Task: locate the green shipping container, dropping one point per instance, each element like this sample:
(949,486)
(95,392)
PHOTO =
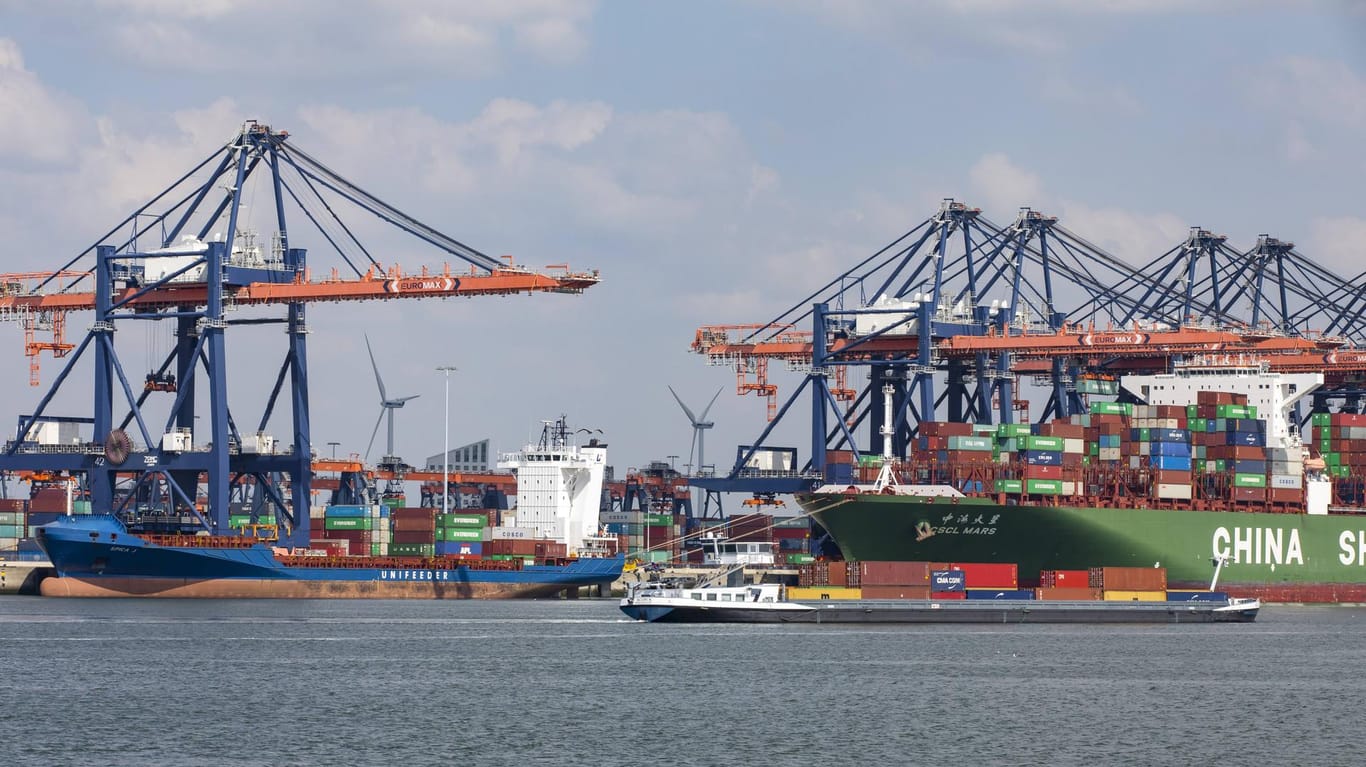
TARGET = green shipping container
(800,559)
(1009,485)
(977,444)
(1043,486)
(870,460)
(412,549)
(461,534)
(1012,430)
(348,523)
(1033,442)
(460,520)
(1320,419)
(656,556)
(10,531)
(1111,408)
(1333,459)
(11,517)
(80,507)
(1249,480)
(658,520)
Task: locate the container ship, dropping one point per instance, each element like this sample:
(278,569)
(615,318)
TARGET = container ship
(550,545)
(1205,466)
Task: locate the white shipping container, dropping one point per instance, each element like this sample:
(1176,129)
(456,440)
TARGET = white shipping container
(1168,423)
(619,517)
(511,533)
(1174,491)
(1144,448)
(1287,481)
(1074,446)
(1109,454)
(1134,462)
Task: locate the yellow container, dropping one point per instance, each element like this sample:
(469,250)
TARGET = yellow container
(824,592)
(1135,596)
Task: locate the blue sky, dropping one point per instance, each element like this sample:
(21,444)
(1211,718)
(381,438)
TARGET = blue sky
(716,161)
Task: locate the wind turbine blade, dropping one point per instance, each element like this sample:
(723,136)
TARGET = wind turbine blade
(378,421)
(692,450)
(692,418)
(709,404)
(402,400)
(373,364)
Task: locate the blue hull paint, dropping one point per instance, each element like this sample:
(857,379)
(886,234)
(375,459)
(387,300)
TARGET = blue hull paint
(96,553)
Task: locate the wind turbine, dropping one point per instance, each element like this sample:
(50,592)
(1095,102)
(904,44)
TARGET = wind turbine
(386,405)
(699,430)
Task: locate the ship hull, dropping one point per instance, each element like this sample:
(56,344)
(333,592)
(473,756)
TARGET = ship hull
(1277,557)
(96,558)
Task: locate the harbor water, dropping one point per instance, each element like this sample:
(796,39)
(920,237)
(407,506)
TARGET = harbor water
(170,682)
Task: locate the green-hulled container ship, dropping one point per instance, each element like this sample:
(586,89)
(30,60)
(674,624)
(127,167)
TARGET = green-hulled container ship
(1205,465)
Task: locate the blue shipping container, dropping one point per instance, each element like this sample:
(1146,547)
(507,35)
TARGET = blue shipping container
(1000,594)
(1110,440)
(948,580)
(1249,466)
(840,473)
(460,548)
(971,486)
(1180,449)
(337,512)
(1247,439)
(1170,435)
(1043,457)
(1247,425)
(1172,463)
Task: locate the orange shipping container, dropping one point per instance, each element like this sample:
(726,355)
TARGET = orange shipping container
(896,592)
(1129,578)
(1069,594)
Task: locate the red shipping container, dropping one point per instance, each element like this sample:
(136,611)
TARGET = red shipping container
(946,595)
(414,513)
(11,504)
(894,573)
(989,575)
(1286,495)
(414,536)
(414,524)
(896,592)
(1249,494)
(1065,579)
(1041,472)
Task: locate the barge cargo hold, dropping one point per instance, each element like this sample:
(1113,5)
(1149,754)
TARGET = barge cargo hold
(663,603)
(1212,467)
(95,556)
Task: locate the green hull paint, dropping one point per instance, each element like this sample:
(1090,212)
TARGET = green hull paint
(1301,550)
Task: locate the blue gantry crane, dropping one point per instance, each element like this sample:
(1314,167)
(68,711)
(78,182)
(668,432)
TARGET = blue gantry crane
(179,473)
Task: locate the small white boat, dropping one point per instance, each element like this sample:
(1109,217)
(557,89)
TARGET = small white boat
(672,601)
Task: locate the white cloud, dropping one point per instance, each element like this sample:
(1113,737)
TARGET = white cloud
(1338,243)
(1105,98)
(1004,185)
(1327,91)
(1137,238)
(37,125)
(312,39)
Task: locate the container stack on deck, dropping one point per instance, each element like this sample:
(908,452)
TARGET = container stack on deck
(970,580)
(461,533)
(793,536)
(13,520)
(1213,454)
(1340,440)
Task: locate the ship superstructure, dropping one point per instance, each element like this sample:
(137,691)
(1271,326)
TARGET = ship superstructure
(559,485)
